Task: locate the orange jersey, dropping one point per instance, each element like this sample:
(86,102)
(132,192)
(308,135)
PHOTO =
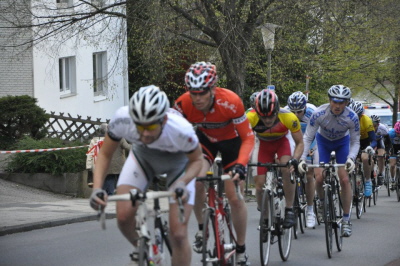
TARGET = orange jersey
(225,120)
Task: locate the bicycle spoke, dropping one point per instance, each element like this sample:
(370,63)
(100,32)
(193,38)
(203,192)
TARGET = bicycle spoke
(265,228)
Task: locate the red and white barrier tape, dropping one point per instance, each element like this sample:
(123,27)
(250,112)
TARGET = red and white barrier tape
(42,150)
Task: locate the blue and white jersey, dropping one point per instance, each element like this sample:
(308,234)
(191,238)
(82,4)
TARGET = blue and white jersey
(177,133)
(310,108)
(393,137)
(333,127)
(381,131)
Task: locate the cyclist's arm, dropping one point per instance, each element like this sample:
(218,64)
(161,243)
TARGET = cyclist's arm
(194,165)
(298,139)
(372,138)
(354,139)
(308,137)
(103,161)
(246,135)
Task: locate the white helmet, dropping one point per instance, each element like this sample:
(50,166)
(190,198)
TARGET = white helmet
(357,107)
(149,104)
(339,92)
(200,77)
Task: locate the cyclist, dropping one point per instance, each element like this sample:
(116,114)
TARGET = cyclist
(163,143)
(252,101)
(394,135)
(336,128)
(271,125)
(222,126)
(381,133)
(297,104)
(367,143)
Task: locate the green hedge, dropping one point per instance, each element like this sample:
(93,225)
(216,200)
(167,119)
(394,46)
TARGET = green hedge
(53,162)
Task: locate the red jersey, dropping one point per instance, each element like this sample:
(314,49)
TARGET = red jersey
(225,120)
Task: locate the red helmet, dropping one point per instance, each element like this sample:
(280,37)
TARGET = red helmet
(201,76)
(397,127)
(267,103)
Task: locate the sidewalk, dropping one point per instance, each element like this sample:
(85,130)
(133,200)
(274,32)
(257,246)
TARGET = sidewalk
(24,208)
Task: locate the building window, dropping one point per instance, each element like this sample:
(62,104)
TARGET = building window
(99,73)
(67,75)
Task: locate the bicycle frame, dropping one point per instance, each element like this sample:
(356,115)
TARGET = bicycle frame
(217,208)
(273,200)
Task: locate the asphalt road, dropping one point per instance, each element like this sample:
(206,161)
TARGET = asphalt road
(375,241)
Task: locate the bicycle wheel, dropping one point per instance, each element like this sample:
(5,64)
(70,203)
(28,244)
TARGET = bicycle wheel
(328,220)
(338,215)
(265,227)
(229,237)
(359,195)
(162,240)
(316,208)
(398,184)
(303,204)
(144,252)
(209,250)
(386,180)
(299,203)
(296,210)
(285,235)
(374,191)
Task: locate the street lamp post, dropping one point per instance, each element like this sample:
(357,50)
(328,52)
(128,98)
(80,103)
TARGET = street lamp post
(268,34)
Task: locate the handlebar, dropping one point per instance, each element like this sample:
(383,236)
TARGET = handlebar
(274,165)
(326,165)
(135,194)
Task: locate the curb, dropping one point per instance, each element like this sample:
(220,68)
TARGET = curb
(41,225)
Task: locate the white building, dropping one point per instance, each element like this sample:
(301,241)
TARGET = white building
(80,70)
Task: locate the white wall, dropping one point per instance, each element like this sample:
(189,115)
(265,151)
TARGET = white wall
(83,103)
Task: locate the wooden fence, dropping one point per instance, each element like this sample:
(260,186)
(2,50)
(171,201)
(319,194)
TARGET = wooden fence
(70,128)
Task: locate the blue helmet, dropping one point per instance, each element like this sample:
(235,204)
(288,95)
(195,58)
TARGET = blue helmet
(297,101)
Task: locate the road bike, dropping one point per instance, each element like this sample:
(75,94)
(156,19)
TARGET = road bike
(332,204)
(357,183)
(219,239)
(154,247)
(386,177)
(272,211)
(374,176)
(300,205)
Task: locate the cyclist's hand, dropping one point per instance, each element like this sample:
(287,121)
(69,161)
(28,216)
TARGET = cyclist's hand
(97,199)
(239,171)
(349,165)
(294,165)
(180,187)
(370,150)
(302,167)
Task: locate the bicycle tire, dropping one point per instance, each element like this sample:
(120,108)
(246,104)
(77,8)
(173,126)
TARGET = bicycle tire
(301,206)
(328,220)
(285,235)
(230,239)
(144,252)
(164,246)
(296,210)
(397,185)
(316,209)
(360,199)
(209,249)
(387,181)
(265,224)
(303,203)
(375,190)
(338,212)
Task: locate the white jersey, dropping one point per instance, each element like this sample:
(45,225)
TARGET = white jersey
(177,134)
(381,131)
(333,127)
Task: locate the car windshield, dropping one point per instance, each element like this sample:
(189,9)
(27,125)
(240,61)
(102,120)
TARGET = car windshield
(387,119)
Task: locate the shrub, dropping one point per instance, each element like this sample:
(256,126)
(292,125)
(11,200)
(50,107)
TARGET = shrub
(20,116)
(53,162)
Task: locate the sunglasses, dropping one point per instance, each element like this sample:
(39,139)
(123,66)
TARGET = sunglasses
(297,111)
(150,127)
(199,93)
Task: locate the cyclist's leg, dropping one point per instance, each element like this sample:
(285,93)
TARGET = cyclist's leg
(209,152)
(178,231)
(266,153)
(229,152)
(284,154)
(125,212)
